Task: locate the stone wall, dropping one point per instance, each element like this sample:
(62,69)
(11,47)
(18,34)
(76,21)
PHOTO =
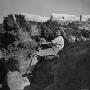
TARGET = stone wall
(66,17)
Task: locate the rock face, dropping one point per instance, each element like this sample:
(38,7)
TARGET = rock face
(37,18)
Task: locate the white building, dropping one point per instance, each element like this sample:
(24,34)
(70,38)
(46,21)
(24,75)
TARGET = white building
(55,17)
(64,17)
(85,17)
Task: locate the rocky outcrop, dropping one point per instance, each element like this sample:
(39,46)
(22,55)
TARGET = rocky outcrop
(16,81)
(36,18)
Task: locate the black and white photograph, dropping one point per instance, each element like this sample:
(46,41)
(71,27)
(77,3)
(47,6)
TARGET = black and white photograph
(44,44)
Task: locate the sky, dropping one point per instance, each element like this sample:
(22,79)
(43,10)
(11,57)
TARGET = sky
(44,7)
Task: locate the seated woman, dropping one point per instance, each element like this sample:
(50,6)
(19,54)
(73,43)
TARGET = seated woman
(53,47)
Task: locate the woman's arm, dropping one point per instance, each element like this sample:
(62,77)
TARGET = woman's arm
(46,43)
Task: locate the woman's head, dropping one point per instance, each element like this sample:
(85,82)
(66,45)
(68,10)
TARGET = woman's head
(58,33)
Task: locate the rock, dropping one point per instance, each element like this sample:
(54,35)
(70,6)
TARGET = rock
(16,81)
(37,18)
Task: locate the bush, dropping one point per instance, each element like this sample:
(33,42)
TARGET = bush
(85,34)
(12,65)
(7,39)
(47,33)
(9,23)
